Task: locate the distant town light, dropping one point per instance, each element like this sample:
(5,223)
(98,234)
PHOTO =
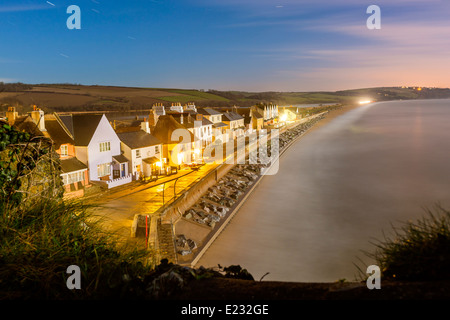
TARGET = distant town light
(283,117)
(365,101)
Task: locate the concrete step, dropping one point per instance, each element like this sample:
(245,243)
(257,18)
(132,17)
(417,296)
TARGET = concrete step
(166,242)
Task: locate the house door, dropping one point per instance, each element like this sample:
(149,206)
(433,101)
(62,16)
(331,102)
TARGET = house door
(123,170)
(116,174)
(138,170)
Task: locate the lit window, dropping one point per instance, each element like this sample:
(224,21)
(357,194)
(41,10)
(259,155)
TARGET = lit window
(103,169)
(73,177)
(64,150)
(105,146)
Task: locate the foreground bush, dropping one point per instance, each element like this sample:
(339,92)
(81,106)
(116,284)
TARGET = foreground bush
(419,251)
(37,245)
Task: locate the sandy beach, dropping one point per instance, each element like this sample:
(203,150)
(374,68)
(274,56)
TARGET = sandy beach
(333,114)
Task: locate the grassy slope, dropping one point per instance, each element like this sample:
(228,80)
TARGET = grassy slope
(68,97)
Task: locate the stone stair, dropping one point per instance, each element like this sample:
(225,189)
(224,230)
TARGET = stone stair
(166,242)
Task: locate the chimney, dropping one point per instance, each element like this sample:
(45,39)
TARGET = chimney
(12,115)
(145,126)
(37,115)
(153,118)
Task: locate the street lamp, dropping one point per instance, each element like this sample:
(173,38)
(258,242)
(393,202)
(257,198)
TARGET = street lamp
(197,154)
(159,165)
(180,158)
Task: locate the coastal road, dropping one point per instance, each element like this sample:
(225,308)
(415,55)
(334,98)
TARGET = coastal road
(116,209)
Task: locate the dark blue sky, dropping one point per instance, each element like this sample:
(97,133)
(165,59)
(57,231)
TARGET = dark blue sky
(254,45)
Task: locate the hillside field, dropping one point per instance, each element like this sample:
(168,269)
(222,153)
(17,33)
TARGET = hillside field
(74,97)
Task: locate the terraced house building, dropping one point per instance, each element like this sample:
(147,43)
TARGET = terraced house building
(144,152)
(98,147)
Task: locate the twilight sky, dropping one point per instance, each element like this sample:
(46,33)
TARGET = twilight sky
(253,45)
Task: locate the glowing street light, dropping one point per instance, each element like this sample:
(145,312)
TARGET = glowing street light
(180,158)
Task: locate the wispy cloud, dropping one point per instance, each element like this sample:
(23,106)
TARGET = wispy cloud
(7,80)
(24,7)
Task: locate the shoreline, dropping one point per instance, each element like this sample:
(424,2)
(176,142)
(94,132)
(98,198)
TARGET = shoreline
(209,240)
(332,115)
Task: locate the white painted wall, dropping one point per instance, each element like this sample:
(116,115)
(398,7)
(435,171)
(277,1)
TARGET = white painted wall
(146,152)
(103,133)
(82,154)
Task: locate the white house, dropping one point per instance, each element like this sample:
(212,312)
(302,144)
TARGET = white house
(216,118)
(198,125)
(98,146)
(235,124)
(144,151)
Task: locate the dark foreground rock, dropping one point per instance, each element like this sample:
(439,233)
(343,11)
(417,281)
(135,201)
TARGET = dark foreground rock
(235,283)
(236,289)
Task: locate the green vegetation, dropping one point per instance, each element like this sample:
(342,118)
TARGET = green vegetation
(28,168)
(39,243)
(196,94)
(75,97)
(41,235)
(420,251)
(14,87)
(186,96)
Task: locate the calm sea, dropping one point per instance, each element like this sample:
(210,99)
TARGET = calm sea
(339,188)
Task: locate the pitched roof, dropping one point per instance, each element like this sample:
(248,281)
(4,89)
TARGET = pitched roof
(219,125)
(246,113)
(26,124)
(165,126)
(151,160)
(72,164)
(256,114)
(120,158)
(138,139)
(208,111)
(189,120)
(81,126)
(231,116)
(66,119)
(56,132)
